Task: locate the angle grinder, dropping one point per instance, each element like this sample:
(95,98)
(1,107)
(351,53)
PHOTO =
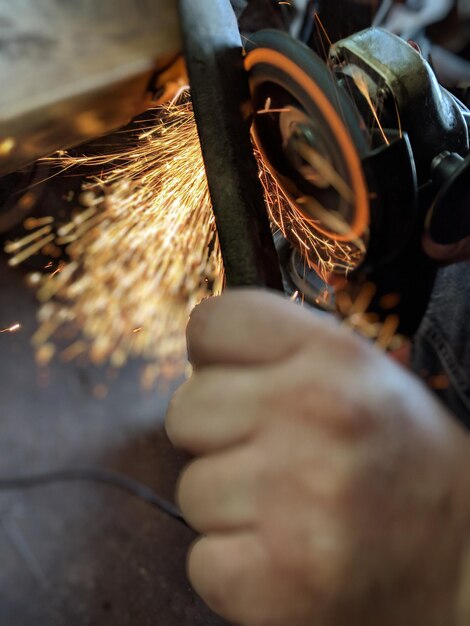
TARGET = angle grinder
(367,151)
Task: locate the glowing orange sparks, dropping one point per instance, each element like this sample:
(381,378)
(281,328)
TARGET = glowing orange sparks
(11,329)
(142,253)
(143,250)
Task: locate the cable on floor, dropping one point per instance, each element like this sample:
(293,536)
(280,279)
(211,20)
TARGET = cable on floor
(94,475)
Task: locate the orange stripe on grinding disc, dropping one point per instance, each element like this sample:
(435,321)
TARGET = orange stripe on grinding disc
(267,56)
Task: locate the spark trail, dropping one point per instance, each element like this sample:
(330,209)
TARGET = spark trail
(144,250)
(141,256)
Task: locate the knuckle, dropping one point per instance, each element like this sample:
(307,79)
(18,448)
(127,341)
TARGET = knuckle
(340,412)
(346,411)
(354,419)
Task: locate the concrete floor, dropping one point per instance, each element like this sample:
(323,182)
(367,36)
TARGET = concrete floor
(84,554)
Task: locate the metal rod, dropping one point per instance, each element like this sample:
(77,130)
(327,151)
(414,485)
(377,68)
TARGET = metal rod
(220,96)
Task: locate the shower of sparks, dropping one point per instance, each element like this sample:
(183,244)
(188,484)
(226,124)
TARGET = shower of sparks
(141,255)
(11,329)
(324,255)
(143,251)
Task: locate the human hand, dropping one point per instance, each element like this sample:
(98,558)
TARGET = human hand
(330,486)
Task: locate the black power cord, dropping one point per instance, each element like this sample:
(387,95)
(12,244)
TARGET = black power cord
(94,475)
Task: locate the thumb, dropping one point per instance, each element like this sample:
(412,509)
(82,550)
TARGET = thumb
(249,327)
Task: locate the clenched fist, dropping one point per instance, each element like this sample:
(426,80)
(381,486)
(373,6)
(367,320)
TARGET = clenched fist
(328,485)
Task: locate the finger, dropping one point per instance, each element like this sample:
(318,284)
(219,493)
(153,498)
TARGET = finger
(227,572)
(250,327)
(220,492)
(216,408)
(236,576)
